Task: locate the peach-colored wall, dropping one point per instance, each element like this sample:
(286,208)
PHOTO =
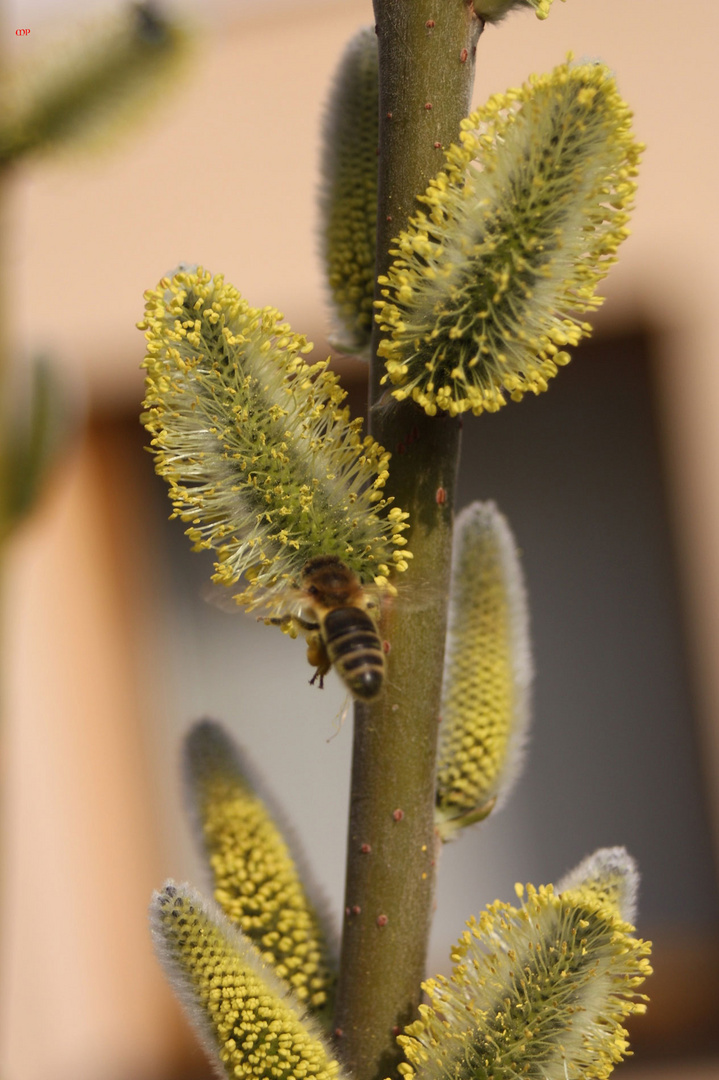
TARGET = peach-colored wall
(82,995)
(225,174)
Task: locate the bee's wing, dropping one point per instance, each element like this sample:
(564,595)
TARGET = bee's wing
(409,597)
(221,597)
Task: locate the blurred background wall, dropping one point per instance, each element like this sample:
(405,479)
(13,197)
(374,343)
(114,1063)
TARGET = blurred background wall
(610,480)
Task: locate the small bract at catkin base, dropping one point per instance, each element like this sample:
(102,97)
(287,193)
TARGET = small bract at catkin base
(520,226)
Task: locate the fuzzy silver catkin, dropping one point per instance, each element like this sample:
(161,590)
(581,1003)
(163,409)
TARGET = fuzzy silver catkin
(348,194)
(608,878)
(249,1023)
(488,672)
(256,881)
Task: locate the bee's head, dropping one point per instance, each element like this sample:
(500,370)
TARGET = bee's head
(327,580)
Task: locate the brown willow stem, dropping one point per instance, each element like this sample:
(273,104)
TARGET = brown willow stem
(426,64)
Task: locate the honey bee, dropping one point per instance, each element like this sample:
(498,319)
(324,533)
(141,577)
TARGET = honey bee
(336,614)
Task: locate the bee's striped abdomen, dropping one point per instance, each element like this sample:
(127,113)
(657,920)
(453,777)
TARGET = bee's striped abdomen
(355,650)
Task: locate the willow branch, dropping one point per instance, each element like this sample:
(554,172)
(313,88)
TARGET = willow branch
(426,63)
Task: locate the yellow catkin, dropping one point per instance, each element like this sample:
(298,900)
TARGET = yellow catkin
(482,298)
(256,882)
(263,463)
(542,989)
(488,671)
(242,1013)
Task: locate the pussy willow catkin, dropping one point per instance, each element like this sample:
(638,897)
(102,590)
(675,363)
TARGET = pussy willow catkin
(518,229)
(263,462)
(542,989)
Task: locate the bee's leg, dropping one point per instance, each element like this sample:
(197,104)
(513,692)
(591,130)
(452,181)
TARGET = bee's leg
(290,624)
(317,656)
